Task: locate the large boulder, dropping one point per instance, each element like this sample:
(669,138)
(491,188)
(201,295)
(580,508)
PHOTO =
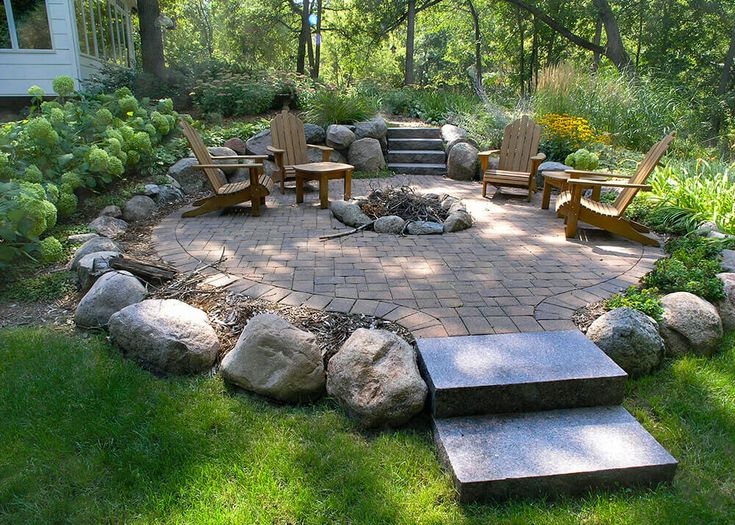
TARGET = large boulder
(168,193)
(111,211)
(258,143)
(451,132)
(111,293)
(92,266)
(375,128)
(95,244)
(424,228)
(314,134)
(457,221)
(553,166)
(315,155)
(462,162)
(192,180)
(339,137)
(366,155)
(275,359)
(630,338)
(389,224)
(375,377)
(237,145)
(81,238)
(222,151)
(166,336)
(689,325)
(726,306)
(139,208)
(108,226)
(349,213)
(727,259)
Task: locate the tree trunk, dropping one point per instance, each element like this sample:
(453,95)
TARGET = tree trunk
(596,57)
(477,80)
(521,55)
(641,11)
(410,35)
(725,79)
(533,69)
(151,43)
(614,49)
(318,53)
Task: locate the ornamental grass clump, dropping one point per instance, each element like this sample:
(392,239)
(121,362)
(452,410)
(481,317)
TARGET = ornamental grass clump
(72,143)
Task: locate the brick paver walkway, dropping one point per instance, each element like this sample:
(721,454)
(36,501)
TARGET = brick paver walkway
(512,271)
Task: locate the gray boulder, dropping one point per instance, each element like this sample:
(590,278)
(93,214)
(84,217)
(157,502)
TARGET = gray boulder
(81,238)
(315,155)
(553,166)
(706,228)
(727,260)
(222,151)
(457,221)
(237,145)
(349,213)
(339,137)
(689,325)
(425,228)
(451,132)
(166,336)
(630,338)
(92,266)
(275,359)
(450,145)
(151,190)
(726,306)
(314,134)
(108,226)
(389,224)
(375,128)
(111,211)
(168,193)
(111,293)
(258,143)
(366,155)
(95,244)
(462,162)
(139,208)
(374,376)
(448,201)
(192,180)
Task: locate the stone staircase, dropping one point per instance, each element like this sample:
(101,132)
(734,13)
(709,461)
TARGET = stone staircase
(416,151)
(535,414)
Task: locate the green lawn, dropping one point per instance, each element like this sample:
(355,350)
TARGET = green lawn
(87,437)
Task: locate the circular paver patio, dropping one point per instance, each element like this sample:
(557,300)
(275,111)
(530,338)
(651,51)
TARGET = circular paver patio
(512,271)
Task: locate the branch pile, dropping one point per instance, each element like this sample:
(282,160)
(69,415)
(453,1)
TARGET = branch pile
(404,202)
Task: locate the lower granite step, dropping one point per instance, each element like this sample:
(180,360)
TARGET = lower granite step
(550,453)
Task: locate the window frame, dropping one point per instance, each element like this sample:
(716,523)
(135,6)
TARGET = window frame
(12,29)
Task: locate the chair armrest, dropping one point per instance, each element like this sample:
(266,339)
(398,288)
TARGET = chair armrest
(240,157)
(540,156)
(275,150)
(322,148)
(230,166)
(608,184)
(597,174)
(488,153)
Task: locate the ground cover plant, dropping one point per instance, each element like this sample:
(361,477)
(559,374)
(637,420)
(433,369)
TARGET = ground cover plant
(89,437)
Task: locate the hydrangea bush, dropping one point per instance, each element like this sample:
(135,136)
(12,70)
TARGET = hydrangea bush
(66,145)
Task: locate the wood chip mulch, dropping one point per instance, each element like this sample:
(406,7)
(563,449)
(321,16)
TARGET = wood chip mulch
(585,316)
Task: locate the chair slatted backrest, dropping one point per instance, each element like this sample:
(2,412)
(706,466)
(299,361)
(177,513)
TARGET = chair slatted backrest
(216,177)
(520,142)
(287,133)
(645,168)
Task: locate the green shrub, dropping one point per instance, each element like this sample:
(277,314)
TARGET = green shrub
(332,107)
(430,104)
(582,159)
(234,95)
(646,300)
(692,266)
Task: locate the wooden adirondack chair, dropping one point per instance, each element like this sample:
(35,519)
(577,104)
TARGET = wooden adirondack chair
(574,207)
(519,158)
(227,194)
(289,146)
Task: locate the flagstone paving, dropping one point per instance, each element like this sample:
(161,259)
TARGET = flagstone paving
(513,271)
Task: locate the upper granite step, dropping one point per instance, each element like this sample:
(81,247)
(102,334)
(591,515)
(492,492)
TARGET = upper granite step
(416,133)
(495,374)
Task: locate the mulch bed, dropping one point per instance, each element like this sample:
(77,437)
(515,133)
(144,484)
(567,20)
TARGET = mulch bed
(585,316)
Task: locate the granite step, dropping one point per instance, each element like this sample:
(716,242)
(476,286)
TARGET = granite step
(415,144)
(524,372)
(426,133)
(417,156)
(549,453)
(409,168)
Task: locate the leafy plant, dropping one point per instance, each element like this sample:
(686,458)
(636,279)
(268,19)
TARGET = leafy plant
(646,300)
(43,287)
(332,107)
(582,159)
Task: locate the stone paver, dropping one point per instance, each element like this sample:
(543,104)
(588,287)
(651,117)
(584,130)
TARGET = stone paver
(512,271)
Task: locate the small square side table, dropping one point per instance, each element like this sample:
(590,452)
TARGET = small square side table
(323,172)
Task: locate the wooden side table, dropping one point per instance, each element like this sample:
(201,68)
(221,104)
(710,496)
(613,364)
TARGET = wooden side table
(323,172)
(558,180)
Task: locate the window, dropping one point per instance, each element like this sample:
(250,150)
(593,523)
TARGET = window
(24,24)
(103,29)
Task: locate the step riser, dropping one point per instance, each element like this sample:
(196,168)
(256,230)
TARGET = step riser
(526,397)
(418,169)
(415,144)
(417,157)
(426,133)
(563,452)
